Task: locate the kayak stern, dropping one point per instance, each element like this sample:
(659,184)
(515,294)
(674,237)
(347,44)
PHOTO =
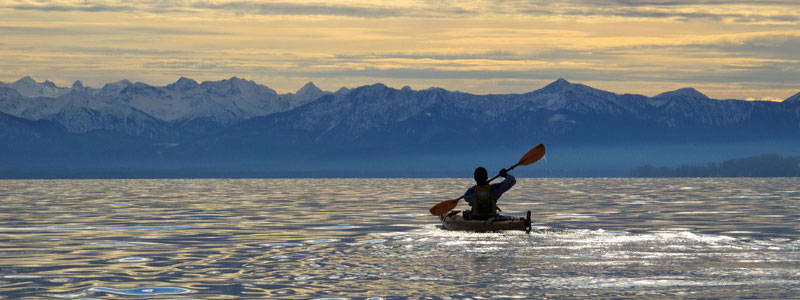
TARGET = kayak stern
(456,221)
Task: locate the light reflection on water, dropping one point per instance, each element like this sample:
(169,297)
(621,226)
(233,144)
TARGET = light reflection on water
(365,238)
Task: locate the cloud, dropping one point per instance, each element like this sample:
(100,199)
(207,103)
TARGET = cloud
(767,45)
(433,55)
(681,2)
(163,30)
(185,65)
(238,7)
(776,45)
(730,11)
(124,51)
(80,29)
(285,8)
(649,43)
(34,30)
(83,8)
(696,15)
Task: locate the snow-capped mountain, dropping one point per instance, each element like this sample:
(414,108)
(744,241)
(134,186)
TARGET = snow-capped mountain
(28,87)
(563,95)
(185,103)
(240,122)
(307,93)
(82,112)
(685,107)
(11,100)
(224,102)
(379,117)
(111,89)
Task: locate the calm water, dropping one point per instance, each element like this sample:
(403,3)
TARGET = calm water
(373,238)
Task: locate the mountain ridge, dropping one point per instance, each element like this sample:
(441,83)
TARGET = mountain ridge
(556,84)
(237,123)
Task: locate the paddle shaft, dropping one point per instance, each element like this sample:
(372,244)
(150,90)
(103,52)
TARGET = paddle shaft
(498,175)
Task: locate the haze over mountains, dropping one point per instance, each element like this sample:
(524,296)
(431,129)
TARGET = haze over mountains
(236,127)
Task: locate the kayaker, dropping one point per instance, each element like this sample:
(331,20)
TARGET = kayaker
(484,205)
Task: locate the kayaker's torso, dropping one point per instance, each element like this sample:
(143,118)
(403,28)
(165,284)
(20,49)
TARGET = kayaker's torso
(488,196)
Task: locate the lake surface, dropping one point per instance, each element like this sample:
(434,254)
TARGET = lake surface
(374,238)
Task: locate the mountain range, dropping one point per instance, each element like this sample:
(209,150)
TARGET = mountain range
(239,128)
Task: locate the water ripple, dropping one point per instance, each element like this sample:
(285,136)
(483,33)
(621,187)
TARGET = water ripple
(362,238)
(143,291)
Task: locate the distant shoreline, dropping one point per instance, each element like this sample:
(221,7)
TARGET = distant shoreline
(760,166)
(765,165)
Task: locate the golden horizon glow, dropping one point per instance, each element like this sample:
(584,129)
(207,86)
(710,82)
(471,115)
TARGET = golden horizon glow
(726,49)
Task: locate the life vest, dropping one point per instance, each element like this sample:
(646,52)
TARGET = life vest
(484,206)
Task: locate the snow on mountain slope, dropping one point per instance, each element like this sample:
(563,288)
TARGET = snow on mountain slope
(79,111)
(245,96)
(82,112)
(306,94)
(29,88)
(561,95)
(212,105)
(183,84)
(161,103)
(360,109)
(10,101)
(225,102)
(687,105)
(112,89)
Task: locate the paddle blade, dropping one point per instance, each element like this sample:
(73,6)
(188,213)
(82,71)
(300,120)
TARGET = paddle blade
(444,207)
(533,155)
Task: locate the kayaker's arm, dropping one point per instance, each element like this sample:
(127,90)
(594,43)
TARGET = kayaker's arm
(469,196)
(499,188)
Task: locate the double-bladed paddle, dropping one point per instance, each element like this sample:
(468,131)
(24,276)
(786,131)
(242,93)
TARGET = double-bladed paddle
(533,155)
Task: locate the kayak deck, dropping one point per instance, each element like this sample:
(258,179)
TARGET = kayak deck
(456,221)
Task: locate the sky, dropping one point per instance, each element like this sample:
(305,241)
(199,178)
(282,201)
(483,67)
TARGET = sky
(727,49)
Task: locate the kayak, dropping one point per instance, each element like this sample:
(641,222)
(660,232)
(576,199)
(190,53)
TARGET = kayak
(456,221)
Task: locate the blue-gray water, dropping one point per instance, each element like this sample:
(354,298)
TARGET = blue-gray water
(374,238)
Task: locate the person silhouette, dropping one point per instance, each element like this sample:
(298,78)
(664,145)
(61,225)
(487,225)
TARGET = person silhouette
(483,197)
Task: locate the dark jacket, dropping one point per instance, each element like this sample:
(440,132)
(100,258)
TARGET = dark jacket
(497,189)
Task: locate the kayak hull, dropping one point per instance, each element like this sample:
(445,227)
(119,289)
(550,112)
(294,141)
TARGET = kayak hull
(456,221)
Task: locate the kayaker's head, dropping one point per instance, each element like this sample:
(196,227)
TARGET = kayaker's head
(481,175)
